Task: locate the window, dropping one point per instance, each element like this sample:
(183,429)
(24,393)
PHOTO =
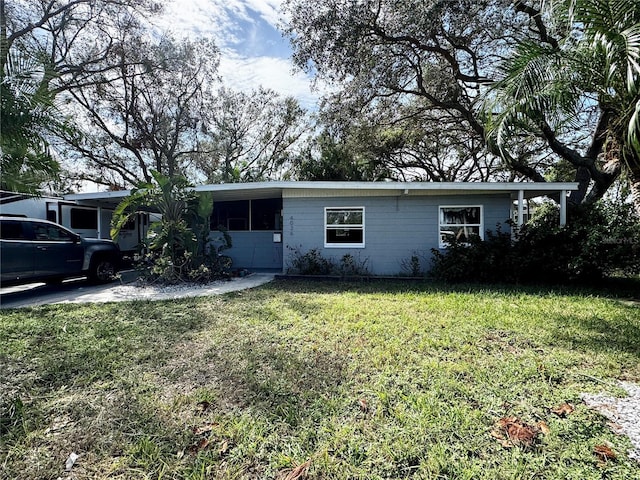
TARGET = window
(344,227)
(50,233)
(84,219)
(242,215)
(231,215)
(460,223)
(12,230)
(130,224)
(266,214)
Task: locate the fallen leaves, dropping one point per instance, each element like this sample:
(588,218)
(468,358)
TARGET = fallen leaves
(563,410)
(202,407)
(513,432)
(204,428)
(604,454)
(201,444)
(299,473)
(208,439)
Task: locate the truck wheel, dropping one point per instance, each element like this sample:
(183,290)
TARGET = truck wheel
(102,270)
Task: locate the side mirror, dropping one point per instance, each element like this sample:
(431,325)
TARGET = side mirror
(76,238)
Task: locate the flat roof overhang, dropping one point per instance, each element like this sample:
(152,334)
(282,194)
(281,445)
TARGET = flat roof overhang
(257,190)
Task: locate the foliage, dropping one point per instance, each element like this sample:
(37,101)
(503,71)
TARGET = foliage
(309,263)
(580,74)
(415,266)
(312,262)
(327,158)
(46,50)
(252,136)
(149,113)
(485,261)
(565,85)
(412,70)
(177,247)
(358,380)
(598,241)
(351,266)
(28,116)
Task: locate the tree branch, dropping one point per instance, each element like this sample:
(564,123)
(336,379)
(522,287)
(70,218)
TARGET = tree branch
(536,17)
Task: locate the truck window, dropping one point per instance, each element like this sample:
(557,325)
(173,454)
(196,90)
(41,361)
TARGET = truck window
(51,233)
(11,230)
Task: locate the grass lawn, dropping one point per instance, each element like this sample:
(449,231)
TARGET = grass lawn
(317,380)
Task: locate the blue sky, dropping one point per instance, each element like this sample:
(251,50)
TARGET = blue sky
(253,51)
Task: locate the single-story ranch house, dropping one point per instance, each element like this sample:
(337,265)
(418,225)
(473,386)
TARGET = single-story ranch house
(383,222)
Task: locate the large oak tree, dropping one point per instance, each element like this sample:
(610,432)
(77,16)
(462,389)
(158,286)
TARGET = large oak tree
(148,114)
(49,48)
(439,59)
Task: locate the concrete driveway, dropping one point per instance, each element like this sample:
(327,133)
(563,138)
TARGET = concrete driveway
(125,289)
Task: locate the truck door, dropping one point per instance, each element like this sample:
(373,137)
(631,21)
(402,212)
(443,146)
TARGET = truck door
(16,251)
(57,251)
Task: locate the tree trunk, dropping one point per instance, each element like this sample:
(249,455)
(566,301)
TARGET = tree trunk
(634,185)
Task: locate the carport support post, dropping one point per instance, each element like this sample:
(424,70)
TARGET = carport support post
(99,222)
(563,208)
(520,207)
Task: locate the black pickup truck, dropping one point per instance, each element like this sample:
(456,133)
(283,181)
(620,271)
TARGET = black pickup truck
(34,250)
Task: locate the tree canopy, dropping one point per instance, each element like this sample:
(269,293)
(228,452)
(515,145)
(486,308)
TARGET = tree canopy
(253,136)
(47,48)
(149,114)
(455,63)
(579,78)
(118,99)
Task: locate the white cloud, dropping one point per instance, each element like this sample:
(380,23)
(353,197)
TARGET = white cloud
(249,73)
(253,52)
(219,19)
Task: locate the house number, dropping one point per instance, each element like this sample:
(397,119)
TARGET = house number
(291,225)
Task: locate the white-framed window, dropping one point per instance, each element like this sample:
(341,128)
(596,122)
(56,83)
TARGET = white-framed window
(459,222)
(344,227)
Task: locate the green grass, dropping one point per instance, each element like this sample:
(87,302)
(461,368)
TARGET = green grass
(371,380)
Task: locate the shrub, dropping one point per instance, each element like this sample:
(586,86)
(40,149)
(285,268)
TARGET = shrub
(178,248)
(313,263)
(351,266)
(598,241)
(414,266)
(309,263)
(488,261)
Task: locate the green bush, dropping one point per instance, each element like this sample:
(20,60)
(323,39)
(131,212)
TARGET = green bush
(598,241)
(416,265)
(351,266)
(177,248)
(487,261)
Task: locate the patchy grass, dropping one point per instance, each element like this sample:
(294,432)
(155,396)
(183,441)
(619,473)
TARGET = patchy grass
(315,380)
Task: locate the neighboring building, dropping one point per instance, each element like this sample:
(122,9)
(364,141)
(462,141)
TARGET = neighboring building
(383,222)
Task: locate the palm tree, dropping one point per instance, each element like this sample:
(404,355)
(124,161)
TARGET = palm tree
(588,58)
(27,115)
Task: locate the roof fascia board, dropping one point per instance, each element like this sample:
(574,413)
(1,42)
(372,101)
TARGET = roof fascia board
(390,188)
